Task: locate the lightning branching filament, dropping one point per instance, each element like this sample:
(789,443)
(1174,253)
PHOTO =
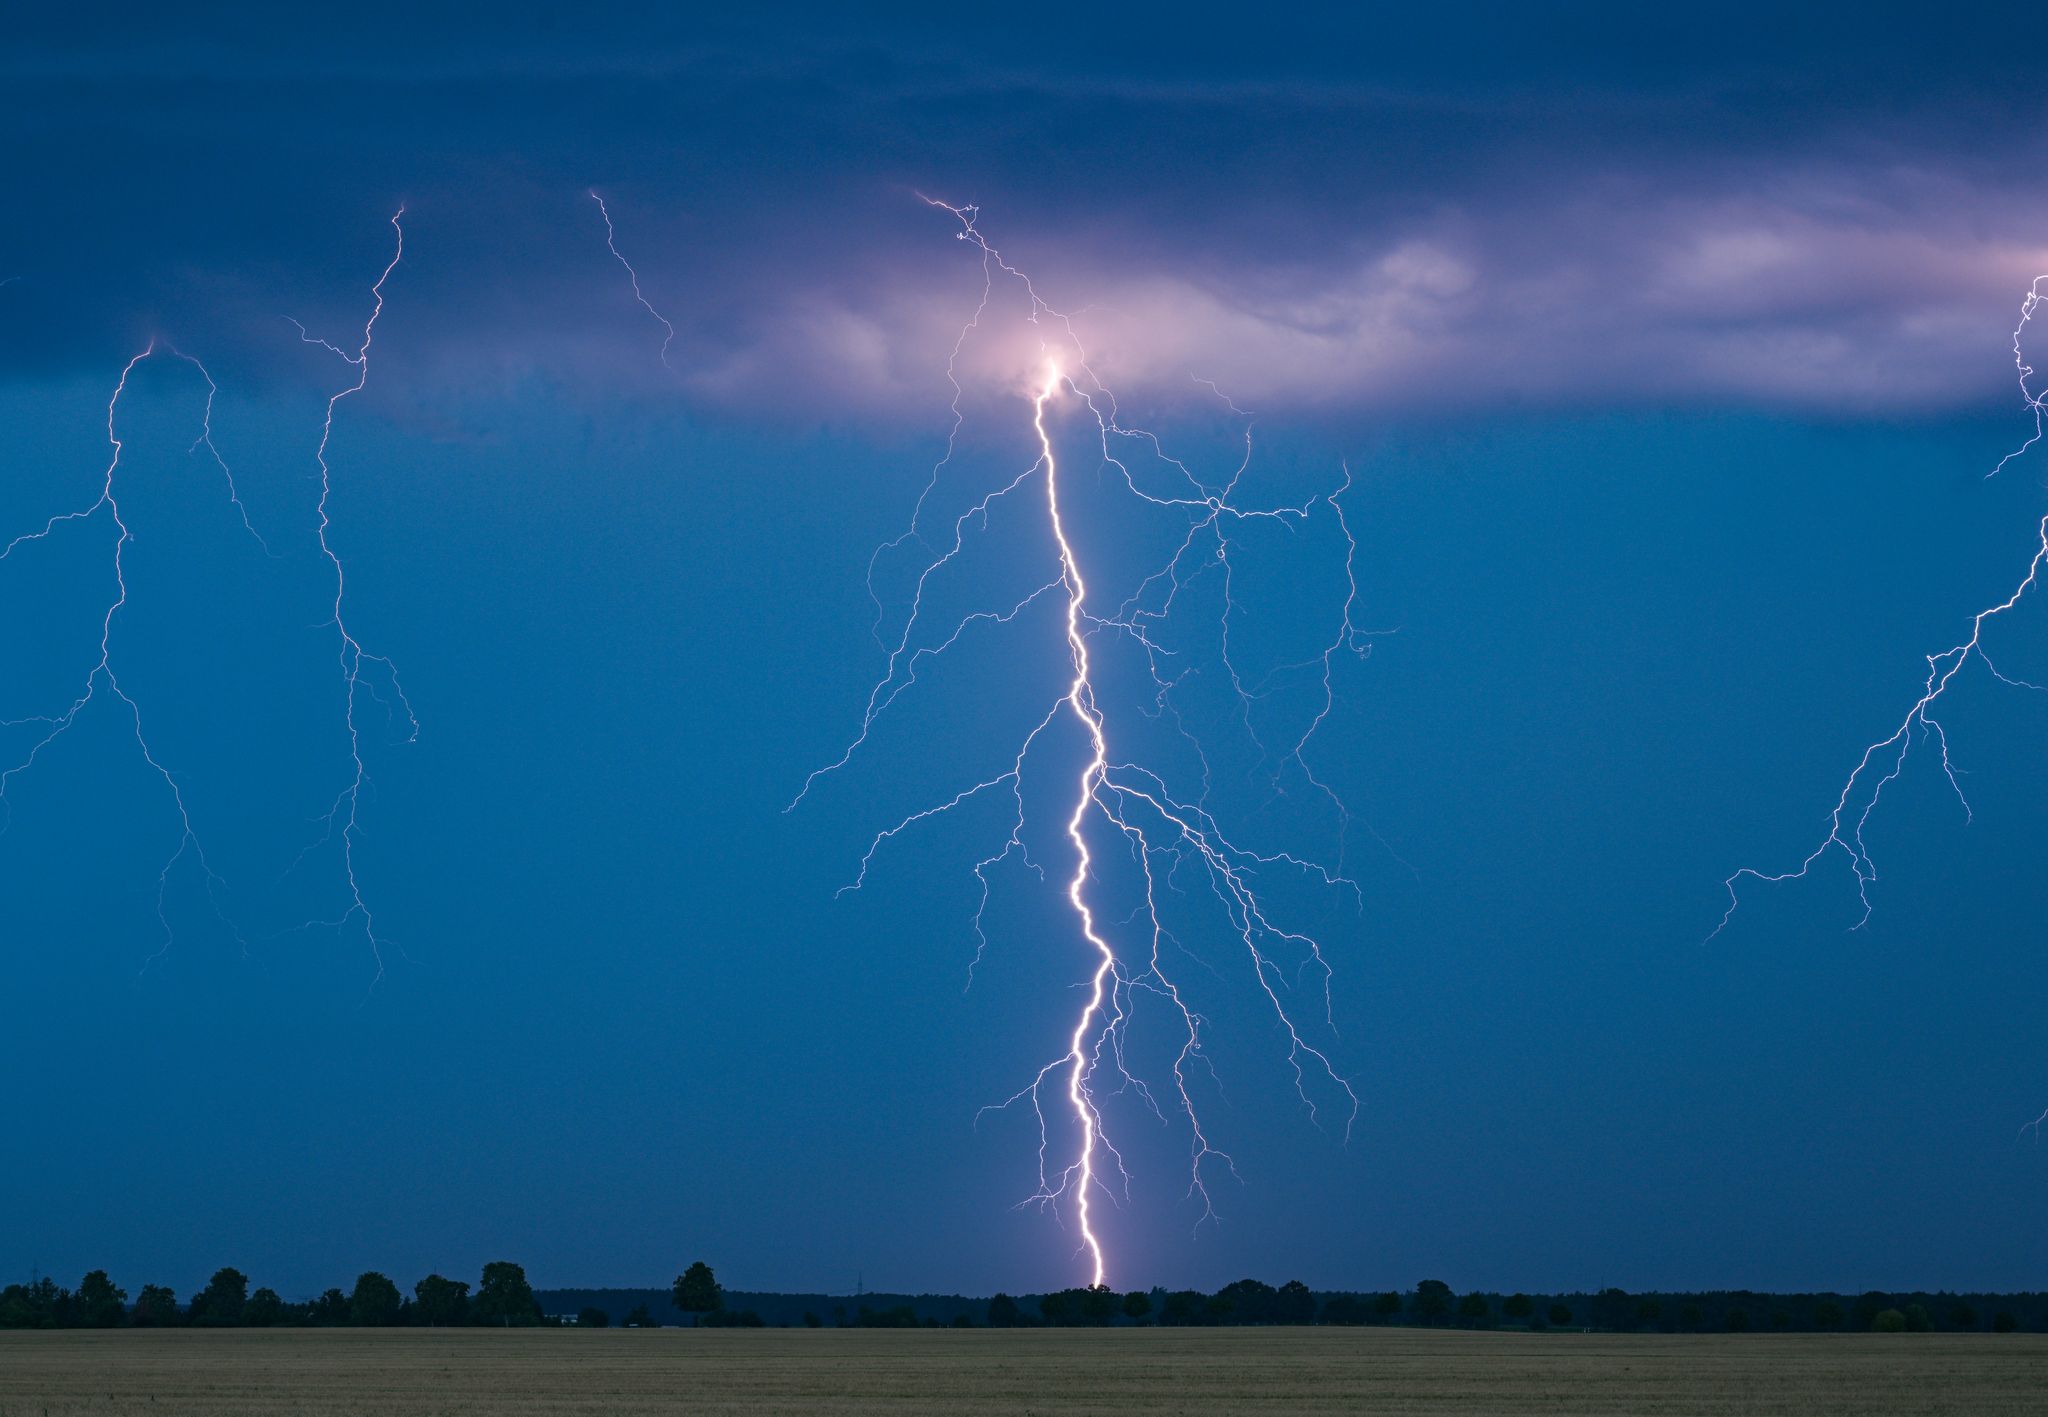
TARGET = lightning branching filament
(611,242)
(1120,810)
(1883,762)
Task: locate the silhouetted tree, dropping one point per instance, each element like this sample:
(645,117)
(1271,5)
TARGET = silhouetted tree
(1888,1321)
(1432,1303)
(1559,1315)
(374,1302)
(696,1291)
(1345,1309)
(1918,1320)
(1386,1308)
(1827,1314)
(639,1317)
(1248,1301)
(1002,1312)
(101,1304)
(811,1320)
(1183,1306)
(503,1296)
(221,1302)
(593,1318)
(1517,1306)
(43,1304)
(1610,1309)
(1082,1305)
(264,1309)
(1137,1305)
(329,1310)
(155,1307)
(900,1316)
(440,1302)
(1293,1303)
(1474,1309)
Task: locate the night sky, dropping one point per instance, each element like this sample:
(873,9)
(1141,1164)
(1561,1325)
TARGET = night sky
(1667,356)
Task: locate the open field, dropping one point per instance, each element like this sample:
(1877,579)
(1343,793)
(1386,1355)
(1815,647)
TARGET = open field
(410,1373)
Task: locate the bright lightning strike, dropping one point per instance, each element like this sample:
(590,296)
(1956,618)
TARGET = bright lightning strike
(1885,760)
(1115,799)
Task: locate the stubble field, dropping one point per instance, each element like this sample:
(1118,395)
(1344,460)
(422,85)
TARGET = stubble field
(406,1373)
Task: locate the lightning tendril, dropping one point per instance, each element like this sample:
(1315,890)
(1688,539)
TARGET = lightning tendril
(359,668)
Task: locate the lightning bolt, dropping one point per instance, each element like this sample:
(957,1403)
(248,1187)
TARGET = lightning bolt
(48,728)
(612,244)
(1883,762)
(345,815)
(1113,798)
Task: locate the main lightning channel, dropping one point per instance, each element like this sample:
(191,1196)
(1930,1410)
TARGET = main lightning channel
(1164,834)
(1081,698)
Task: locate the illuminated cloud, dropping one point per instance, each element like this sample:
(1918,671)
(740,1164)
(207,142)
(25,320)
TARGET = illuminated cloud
(1633,220)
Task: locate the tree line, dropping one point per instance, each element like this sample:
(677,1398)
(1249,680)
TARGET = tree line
(502,1297)
(1434,1304)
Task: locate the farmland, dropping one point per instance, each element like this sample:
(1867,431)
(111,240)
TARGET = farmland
(454,1373)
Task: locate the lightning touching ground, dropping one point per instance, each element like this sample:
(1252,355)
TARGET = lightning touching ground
(1118,800)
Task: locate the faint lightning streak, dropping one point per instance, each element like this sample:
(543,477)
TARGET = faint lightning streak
(611,243)
(205,440)
(346,811)
(2026,371)
(1885,760)
(103,669)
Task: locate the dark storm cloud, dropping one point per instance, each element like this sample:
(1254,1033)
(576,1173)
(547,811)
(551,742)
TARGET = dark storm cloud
(1560,208)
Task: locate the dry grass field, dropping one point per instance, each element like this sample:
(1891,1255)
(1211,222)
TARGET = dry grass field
(425,1374)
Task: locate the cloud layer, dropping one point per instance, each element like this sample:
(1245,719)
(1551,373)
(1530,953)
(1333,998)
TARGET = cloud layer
(1608,227)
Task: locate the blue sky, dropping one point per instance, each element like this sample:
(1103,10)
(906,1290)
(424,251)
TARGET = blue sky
(1666,363)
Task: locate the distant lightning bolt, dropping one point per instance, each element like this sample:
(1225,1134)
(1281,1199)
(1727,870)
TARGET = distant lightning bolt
(1883,761)
(346,813)
(612,244)
(1164,834)
(51,727)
